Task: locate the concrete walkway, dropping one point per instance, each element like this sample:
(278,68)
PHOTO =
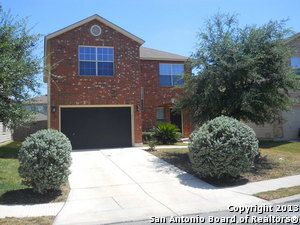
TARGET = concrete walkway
(267,185)
(168,147)
(118,185)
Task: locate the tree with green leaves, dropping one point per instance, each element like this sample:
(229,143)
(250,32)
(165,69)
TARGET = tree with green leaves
(239,72)
(19,68)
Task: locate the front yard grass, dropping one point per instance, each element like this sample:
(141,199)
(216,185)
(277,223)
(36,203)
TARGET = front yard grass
(280,193)
(44,220)
(12,191)
(278,159)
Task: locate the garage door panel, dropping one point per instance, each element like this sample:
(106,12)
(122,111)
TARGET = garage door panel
(104,127)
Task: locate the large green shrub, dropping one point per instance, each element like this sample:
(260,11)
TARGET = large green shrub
(166,133)
(222,147)
(45,160)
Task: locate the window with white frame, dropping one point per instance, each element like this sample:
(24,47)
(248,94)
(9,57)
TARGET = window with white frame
(160,114)
(295,64)
(96,61)
(4,129)
(171,74)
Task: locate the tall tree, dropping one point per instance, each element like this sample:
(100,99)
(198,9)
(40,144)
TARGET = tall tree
(240,72)
(19,68)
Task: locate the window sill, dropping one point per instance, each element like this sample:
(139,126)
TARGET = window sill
(170,86)
(96,76)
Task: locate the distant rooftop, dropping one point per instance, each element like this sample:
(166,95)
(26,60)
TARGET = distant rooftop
(39,100)
(291,38)
(40,116)
(153,54)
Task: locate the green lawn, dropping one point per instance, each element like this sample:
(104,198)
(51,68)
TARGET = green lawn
(12,191)
(9,176)
(278,159)
(280,193)
(45,220)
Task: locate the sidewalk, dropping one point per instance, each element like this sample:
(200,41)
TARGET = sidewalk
(267,185)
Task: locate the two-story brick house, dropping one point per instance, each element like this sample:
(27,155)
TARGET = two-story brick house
(104,89)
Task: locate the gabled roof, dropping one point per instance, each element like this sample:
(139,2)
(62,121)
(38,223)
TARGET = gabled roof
(40,117)
(102,20)
(153,54)
(291,38)
(39,100)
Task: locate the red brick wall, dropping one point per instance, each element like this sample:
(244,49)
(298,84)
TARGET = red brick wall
(157,96)
(131,73)
(68,88)
(187,125)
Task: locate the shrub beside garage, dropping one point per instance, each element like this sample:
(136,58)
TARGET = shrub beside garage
(163,134)
(45,158)
(166,133)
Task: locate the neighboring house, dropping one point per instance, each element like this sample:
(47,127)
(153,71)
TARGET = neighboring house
(38,105)
(104,89)
(5,134)
(289,129)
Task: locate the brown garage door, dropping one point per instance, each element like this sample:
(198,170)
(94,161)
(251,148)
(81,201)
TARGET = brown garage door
(105,127)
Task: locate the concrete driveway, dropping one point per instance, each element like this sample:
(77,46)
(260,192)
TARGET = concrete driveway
(122,185)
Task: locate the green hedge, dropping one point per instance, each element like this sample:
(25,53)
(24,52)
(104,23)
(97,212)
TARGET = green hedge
(45,158)
(222,147)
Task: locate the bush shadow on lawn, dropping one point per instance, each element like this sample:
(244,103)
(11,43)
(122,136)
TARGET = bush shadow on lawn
(28,196)
(10,151)
(181,161)
(271,144)
(261,165)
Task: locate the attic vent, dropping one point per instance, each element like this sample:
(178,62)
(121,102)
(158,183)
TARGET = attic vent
(95,30)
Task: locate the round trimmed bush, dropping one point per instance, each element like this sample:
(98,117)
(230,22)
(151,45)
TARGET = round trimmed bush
(45,158)
(222,147)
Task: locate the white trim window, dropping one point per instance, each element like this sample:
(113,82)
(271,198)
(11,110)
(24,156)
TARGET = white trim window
(295,64)
(170,74)
(4,129)
(96,61)
(160,114)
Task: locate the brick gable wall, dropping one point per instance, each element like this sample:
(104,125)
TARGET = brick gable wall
(68,88)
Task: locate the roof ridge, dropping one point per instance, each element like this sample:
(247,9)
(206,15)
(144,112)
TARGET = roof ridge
(291,38)
(102,20)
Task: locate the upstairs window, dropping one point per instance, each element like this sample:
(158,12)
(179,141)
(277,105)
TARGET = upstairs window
(295,63)
(171,74)
(96,61)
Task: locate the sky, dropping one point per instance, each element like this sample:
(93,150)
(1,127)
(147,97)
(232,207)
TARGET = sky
(167,25)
